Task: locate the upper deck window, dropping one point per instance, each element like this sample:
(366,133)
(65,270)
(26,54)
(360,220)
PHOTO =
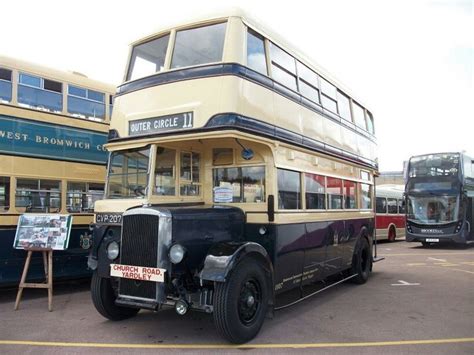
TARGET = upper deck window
(308,83)
(359,117)
(40,93)
(148,58)
(329,96)
(256,59)
(370,123)
(283,67)
(199,46)
(5,85)
(85,102)
(344,106)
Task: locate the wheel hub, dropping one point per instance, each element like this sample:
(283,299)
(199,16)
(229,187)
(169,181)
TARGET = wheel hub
(249,301)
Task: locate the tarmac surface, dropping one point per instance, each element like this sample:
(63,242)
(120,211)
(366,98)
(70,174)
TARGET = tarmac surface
(417,301)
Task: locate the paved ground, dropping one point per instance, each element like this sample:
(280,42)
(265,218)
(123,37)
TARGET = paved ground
(418,301)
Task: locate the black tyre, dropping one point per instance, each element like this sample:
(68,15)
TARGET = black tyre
(361,262)
(103,297)
(240,303)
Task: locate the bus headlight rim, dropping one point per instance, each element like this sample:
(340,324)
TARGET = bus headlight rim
(176,253)
(113,250)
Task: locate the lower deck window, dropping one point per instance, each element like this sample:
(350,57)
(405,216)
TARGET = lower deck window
(4,194)
(380,205)
(289,190)
(366,196)
(350,201)
(392,205)
(38,195)
(335,193)
(239,185)
(315,186)
(81,196)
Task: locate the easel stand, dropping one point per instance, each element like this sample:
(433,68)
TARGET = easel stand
(48,272)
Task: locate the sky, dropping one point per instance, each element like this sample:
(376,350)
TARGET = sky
(409,61)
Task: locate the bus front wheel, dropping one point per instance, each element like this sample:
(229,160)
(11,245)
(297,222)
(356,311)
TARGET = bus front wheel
(241,302)
(103,297)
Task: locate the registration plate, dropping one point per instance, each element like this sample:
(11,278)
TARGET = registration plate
(141,273)
(432,240)
(108,218)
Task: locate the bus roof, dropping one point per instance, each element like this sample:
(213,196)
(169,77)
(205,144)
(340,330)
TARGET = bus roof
(54,74)
(264,30)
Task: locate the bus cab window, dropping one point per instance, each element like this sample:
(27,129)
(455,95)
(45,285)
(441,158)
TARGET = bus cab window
(4,194)
(165,176)
(239,185)
(334,189)
(38,195)
(189,174)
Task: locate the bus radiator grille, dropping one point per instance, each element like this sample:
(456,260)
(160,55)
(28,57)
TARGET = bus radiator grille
(139,248)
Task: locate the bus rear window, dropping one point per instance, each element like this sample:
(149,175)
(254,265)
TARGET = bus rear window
(198,46)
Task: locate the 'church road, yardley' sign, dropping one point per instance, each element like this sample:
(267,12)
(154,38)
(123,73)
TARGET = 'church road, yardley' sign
(160,124)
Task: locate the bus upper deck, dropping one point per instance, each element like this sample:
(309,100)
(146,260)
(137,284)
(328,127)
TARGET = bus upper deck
(231,73)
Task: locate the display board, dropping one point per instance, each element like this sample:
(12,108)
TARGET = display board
(43,231)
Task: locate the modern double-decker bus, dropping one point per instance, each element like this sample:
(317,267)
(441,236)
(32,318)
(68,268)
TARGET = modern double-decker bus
(240,178)
(53,127)
(389,212)
(439,192)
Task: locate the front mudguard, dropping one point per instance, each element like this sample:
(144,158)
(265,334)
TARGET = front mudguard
(222,258)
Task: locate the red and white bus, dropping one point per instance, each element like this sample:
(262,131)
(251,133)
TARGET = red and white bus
(390,218)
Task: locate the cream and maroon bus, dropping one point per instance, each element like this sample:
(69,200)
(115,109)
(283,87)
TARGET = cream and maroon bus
(240,178)
(390,218)
(53,127)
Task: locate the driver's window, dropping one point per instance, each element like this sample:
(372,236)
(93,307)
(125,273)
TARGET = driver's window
(165,172)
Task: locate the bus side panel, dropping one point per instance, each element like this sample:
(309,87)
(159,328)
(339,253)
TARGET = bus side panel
(289,256)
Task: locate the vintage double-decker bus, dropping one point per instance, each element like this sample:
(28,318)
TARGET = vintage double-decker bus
(53,127)
(240,176)
(439,192)
(389,212)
